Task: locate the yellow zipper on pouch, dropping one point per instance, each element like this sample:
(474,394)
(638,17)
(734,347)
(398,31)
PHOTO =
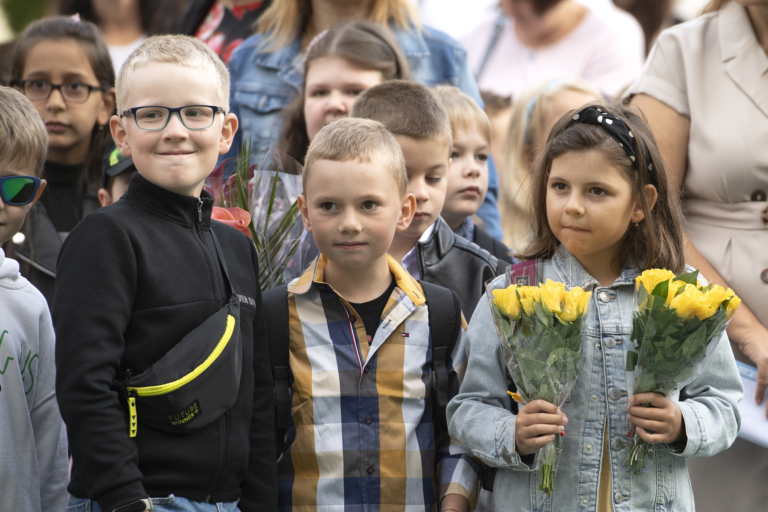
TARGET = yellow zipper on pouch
(163,389)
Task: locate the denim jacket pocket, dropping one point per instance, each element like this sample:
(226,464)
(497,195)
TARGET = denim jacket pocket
(260,115)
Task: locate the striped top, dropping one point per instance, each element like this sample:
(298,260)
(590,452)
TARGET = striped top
(360,437)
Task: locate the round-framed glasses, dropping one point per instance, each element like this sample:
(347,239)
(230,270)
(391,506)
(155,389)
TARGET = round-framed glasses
(155,118)
(40,90)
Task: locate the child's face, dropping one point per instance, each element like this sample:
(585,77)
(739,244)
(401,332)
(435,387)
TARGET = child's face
(174,158)
(427,161)
(332,86)
(70,125)
(467,176)
(354,224)
(590,204)
(12,217)
(118,187)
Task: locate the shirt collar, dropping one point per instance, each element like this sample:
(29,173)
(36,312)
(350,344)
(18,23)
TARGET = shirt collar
(315,275)
(466,229)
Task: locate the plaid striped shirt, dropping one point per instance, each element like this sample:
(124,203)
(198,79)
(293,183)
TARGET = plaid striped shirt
(360,437)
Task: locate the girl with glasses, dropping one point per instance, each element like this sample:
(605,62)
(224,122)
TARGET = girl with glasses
(64,68)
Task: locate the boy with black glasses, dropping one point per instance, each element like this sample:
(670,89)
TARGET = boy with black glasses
(33,462)
(165,383)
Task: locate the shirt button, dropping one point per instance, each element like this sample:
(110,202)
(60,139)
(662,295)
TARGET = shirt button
(368,420)
(609,342)
(598,346)
(764,275)
(759,196)
(353,319)
(617,444)
(584,501)
(614,394)
(366,370)
(505,455)
(588,447)
(594,398)
(370,471)
(605,296)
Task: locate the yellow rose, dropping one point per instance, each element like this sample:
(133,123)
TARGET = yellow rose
(650,278)
(506,301)
(716,296)
(575,303)
(551,294)
(735,301)
(673,287)
(688,303)
(529,296)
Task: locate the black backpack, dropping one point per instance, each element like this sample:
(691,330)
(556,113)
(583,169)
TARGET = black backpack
(445,324)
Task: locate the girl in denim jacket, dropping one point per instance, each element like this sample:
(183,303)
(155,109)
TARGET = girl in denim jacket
(603,213)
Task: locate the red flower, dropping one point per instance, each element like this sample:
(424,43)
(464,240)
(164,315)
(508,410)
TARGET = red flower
(235,217)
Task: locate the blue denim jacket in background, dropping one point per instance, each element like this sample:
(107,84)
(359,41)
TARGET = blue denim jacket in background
(264,83)
(479,416)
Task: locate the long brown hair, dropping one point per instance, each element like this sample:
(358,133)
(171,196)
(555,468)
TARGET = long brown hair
(658,242)
(365,44)
(89,37)
(282,21)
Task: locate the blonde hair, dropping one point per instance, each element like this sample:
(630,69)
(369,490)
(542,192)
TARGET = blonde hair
(463,111)
(23,136)
(525,127)
(358,139)
(183,51)
(407,109)
(282,21)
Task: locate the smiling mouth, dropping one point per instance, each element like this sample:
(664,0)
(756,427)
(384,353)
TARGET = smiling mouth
(176,153)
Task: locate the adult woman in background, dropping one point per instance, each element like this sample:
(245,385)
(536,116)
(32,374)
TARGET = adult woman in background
(267,69)
(533,115)
(704,91)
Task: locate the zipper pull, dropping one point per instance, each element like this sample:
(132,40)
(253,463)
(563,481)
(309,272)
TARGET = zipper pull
(132,420)
(200,209)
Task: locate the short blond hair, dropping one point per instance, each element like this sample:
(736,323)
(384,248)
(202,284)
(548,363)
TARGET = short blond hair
(23,137)
(358,139)
(183,51)
(463,111)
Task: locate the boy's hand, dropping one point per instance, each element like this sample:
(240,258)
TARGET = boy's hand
(537,423)
(660,423)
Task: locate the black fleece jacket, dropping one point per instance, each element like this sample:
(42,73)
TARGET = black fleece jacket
(134,278)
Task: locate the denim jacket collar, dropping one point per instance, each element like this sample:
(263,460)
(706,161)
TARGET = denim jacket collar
(570,272)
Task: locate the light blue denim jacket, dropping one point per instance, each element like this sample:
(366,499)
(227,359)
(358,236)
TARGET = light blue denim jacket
(264,83)
(479,416)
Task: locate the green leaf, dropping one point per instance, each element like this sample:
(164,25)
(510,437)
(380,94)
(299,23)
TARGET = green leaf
(631,360)
(689,277)
(661,290)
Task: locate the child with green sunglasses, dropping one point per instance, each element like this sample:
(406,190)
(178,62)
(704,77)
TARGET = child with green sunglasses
(35,471)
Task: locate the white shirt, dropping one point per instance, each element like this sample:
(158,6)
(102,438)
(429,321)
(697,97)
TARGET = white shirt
(411,259)
(607,48)
(120,54)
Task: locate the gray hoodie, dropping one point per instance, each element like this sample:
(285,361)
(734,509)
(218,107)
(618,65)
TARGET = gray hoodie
(33,441)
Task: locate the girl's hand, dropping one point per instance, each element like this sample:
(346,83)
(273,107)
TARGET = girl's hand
(755,346)
(660,423)
(537,423)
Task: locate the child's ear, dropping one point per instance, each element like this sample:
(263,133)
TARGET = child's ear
(108,105)
(104,197)
(304,213)
(119,135)
(407,211)
(39,192)
(651,196)
(228,131)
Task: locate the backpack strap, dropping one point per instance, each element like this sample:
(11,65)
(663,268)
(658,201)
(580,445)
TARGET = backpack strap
(275,303)
(527,273)
(445,325)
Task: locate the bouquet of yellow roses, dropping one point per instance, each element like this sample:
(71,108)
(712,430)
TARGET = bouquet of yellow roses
(678,322)
(540,330)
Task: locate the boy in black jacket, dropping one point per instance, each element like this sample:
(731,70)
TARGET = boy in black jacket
(137,277)
(428,249)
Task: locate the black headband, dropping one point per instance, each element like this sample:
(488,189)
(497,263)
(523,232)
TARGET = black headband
(618,130)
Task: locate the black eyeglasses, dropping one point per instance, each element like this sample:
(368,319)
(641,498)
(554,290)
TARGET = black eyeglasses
(40,90)
(155,118)
(18,190)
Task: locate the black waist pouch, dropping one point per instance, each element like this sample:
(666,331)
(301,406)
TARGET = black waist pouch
(194,383)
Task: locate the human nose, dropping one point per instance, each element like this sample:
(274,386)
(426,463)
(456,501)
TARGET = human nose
(472,168)
(55,101)
(574,205)
(350,223)
(419,189)
(175,129)
(336,103)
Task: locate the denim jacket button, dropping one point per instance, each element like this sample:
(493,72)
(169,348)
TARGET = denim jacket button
(589,447)
(584,501)
(617,444)
(618,498)
(605,296)
(614,394)
(505,455)
(594,398)
(609,342)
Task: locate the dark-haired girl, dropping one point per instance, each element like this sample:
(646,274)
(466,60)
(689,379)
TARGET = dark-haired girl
(63,67)
(602,213)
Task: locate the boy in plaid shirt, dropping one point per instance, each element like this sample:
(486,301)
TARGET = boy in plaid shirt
(361,435)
